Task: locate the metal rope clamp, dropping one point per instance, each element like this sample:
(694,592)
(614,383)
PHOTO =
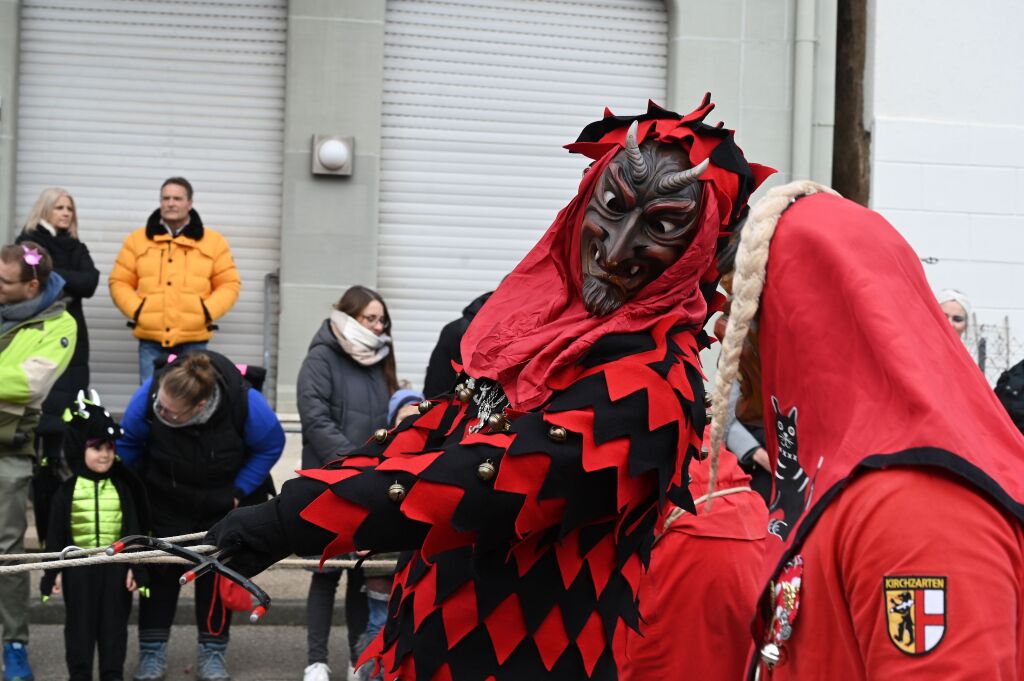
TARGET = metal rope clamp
(215,562)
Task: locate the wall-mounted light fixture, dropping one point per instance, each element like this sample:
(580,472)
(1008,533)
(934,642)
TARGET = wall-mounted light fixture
(333,154)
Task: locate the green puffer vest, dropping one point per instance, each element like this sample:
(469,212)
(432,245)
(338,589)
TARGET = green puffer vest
(95,513)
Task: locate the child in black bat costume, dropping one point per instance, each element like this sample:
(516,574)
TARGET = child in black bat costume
(100,503)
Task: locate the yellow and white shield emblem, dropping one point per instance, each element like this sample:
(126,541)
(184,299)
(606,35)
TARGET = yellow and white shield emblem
(915,611)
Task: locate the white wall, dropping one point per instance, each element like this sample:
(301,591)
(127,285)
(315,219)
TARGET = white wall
(945,105)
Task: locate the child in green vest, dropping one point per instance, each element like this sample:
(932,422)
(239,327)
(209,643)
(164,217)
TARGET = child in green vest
(100,503)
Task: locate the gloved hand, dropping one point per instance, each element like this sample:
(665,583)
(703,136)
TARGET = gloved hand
(254,537)
(47,583)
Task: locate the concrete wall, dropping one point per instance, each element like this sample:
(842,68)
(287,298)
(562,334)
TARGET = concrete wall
(9,10)
(329,223)
(742,51)
(946,110)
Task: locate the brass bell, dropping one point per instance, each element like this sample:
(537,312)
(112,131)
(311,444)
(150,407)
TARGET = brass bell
(557,433)
(463,393)
(380,434)
(425,406)
(486,471)
(498,422)
(396,492)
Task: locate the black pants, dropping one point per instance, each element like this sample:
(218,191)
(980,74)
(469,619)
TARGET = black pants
(97,606)
(320,612)
(156,613)
(46,480)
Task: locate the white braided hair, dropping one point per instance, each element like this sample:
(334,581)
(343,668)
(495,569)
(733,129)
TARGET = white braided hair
(747,284)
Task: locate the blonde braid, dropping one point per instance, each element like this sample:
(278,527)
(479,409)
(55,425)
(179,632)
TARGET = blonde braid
(747,284)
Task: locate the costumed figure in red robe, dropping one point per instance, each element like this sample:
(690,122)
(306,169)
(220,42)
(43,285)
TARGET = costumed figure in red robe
(702,588)
(896,547)
(526,499)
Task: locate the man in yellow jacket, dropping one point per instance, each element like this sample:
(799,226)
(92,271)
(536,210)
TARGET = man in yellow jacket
(173,279)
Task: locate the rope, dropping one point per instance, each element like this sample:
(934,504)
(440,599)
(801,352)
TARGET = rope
(81,553)
(58,560)
(677,513)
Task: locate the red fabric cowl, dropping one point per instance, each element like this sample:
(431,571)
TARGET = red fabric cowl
(535,324)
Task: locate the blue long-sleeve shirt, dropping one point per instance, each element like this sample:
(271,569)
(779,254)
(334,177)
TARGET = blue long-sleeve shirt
(264,437)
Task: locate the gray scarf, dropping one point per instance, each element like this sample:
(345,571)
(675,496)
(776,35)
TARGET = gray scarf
(15,313)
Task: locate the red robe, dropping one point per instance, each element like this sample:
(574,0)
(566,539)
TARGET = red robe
(717,553)
(897,470)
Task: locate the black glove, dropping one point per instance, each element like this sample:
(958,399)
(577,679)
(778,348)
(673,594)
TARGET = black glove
(254,537)
(46,584)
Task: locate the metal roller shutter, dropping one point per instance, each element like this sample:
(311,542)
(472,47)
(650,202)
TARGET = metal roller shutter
(478,98)
(118,95)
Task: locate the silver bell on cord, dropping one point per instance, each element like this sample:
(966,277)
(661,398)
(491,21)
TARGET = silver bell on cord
(498,422)
(486,471)
(425,406)
(396,492)
(380,434)
(463,393)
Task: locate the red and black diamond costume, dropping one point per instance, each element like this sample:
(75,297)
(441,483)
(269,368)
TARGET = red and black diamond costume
(528,505)
(900,552)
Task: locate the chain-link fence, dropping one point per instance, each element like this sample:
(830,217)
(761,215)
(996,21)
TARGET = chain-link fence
(994,346)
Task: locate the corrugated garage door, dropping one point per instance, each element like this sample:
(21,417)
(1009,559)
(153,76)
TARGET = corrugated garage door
(478,98)
(116,96)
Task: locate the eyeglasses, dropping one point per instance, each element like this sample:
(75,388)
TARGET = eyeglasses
(958,318)
(172,416)
(374,319)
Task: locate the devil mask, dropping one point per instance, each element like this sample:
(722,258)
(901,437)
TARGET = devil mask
(641,217)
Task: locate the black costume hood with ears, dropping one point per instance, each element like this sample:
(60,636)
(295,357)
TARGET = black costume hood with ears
(88,421)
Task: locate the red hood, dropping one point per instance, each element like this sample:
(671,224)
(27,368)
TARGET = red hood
(852,338)
(535,325)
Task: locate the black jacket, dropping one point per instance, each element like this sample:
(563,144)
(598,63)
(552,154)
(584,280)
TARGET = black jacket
(72,261)
(340,401)
(440,377)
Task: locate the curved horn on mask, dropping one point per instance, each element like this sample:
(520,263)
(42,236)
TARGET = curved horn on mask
(676,181)
(637,165)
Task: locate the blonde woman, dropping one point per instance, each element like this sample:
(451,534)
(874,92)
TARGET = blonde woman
(53,224)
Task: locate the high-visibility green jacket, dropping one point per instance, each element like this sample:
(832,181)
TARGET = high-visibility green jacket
(33,355)
(95,513)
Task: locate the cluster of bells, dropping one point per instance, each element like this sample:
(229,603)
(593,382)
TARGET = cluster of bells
(487,469)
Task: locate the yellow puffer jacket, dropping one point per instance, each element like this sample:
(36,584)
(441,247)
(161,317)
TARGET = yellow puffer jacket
(173,289)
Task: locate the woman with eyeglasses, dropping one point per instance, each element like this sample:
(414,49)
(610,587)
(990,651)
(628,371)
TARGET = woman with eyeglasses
(53,224)
(344,386)
(203,441)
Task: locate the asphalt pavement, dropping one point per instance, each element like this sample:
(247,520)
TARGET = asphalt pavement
(256,653)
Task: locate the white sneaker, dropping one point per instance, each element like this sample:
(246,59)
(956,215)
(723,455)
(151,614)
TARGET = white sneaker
(318,671)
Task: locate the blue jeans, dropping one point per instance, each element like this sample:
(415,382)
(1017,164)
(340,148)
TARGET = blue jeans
(378,603)
(151,351)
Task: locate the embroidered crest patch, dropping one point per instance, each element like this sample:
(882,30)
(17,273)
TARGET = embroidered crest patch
(915,612)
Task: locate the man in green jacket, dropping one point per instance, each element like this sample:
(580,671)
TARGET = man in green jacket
(37,339)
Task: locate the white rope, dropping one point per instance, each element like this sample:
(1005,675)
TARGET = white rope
(75,557)
(677,513)
(82,553)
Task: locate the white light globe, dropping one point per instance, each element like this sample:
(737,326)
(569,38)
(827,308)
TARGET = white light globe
(332,154)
